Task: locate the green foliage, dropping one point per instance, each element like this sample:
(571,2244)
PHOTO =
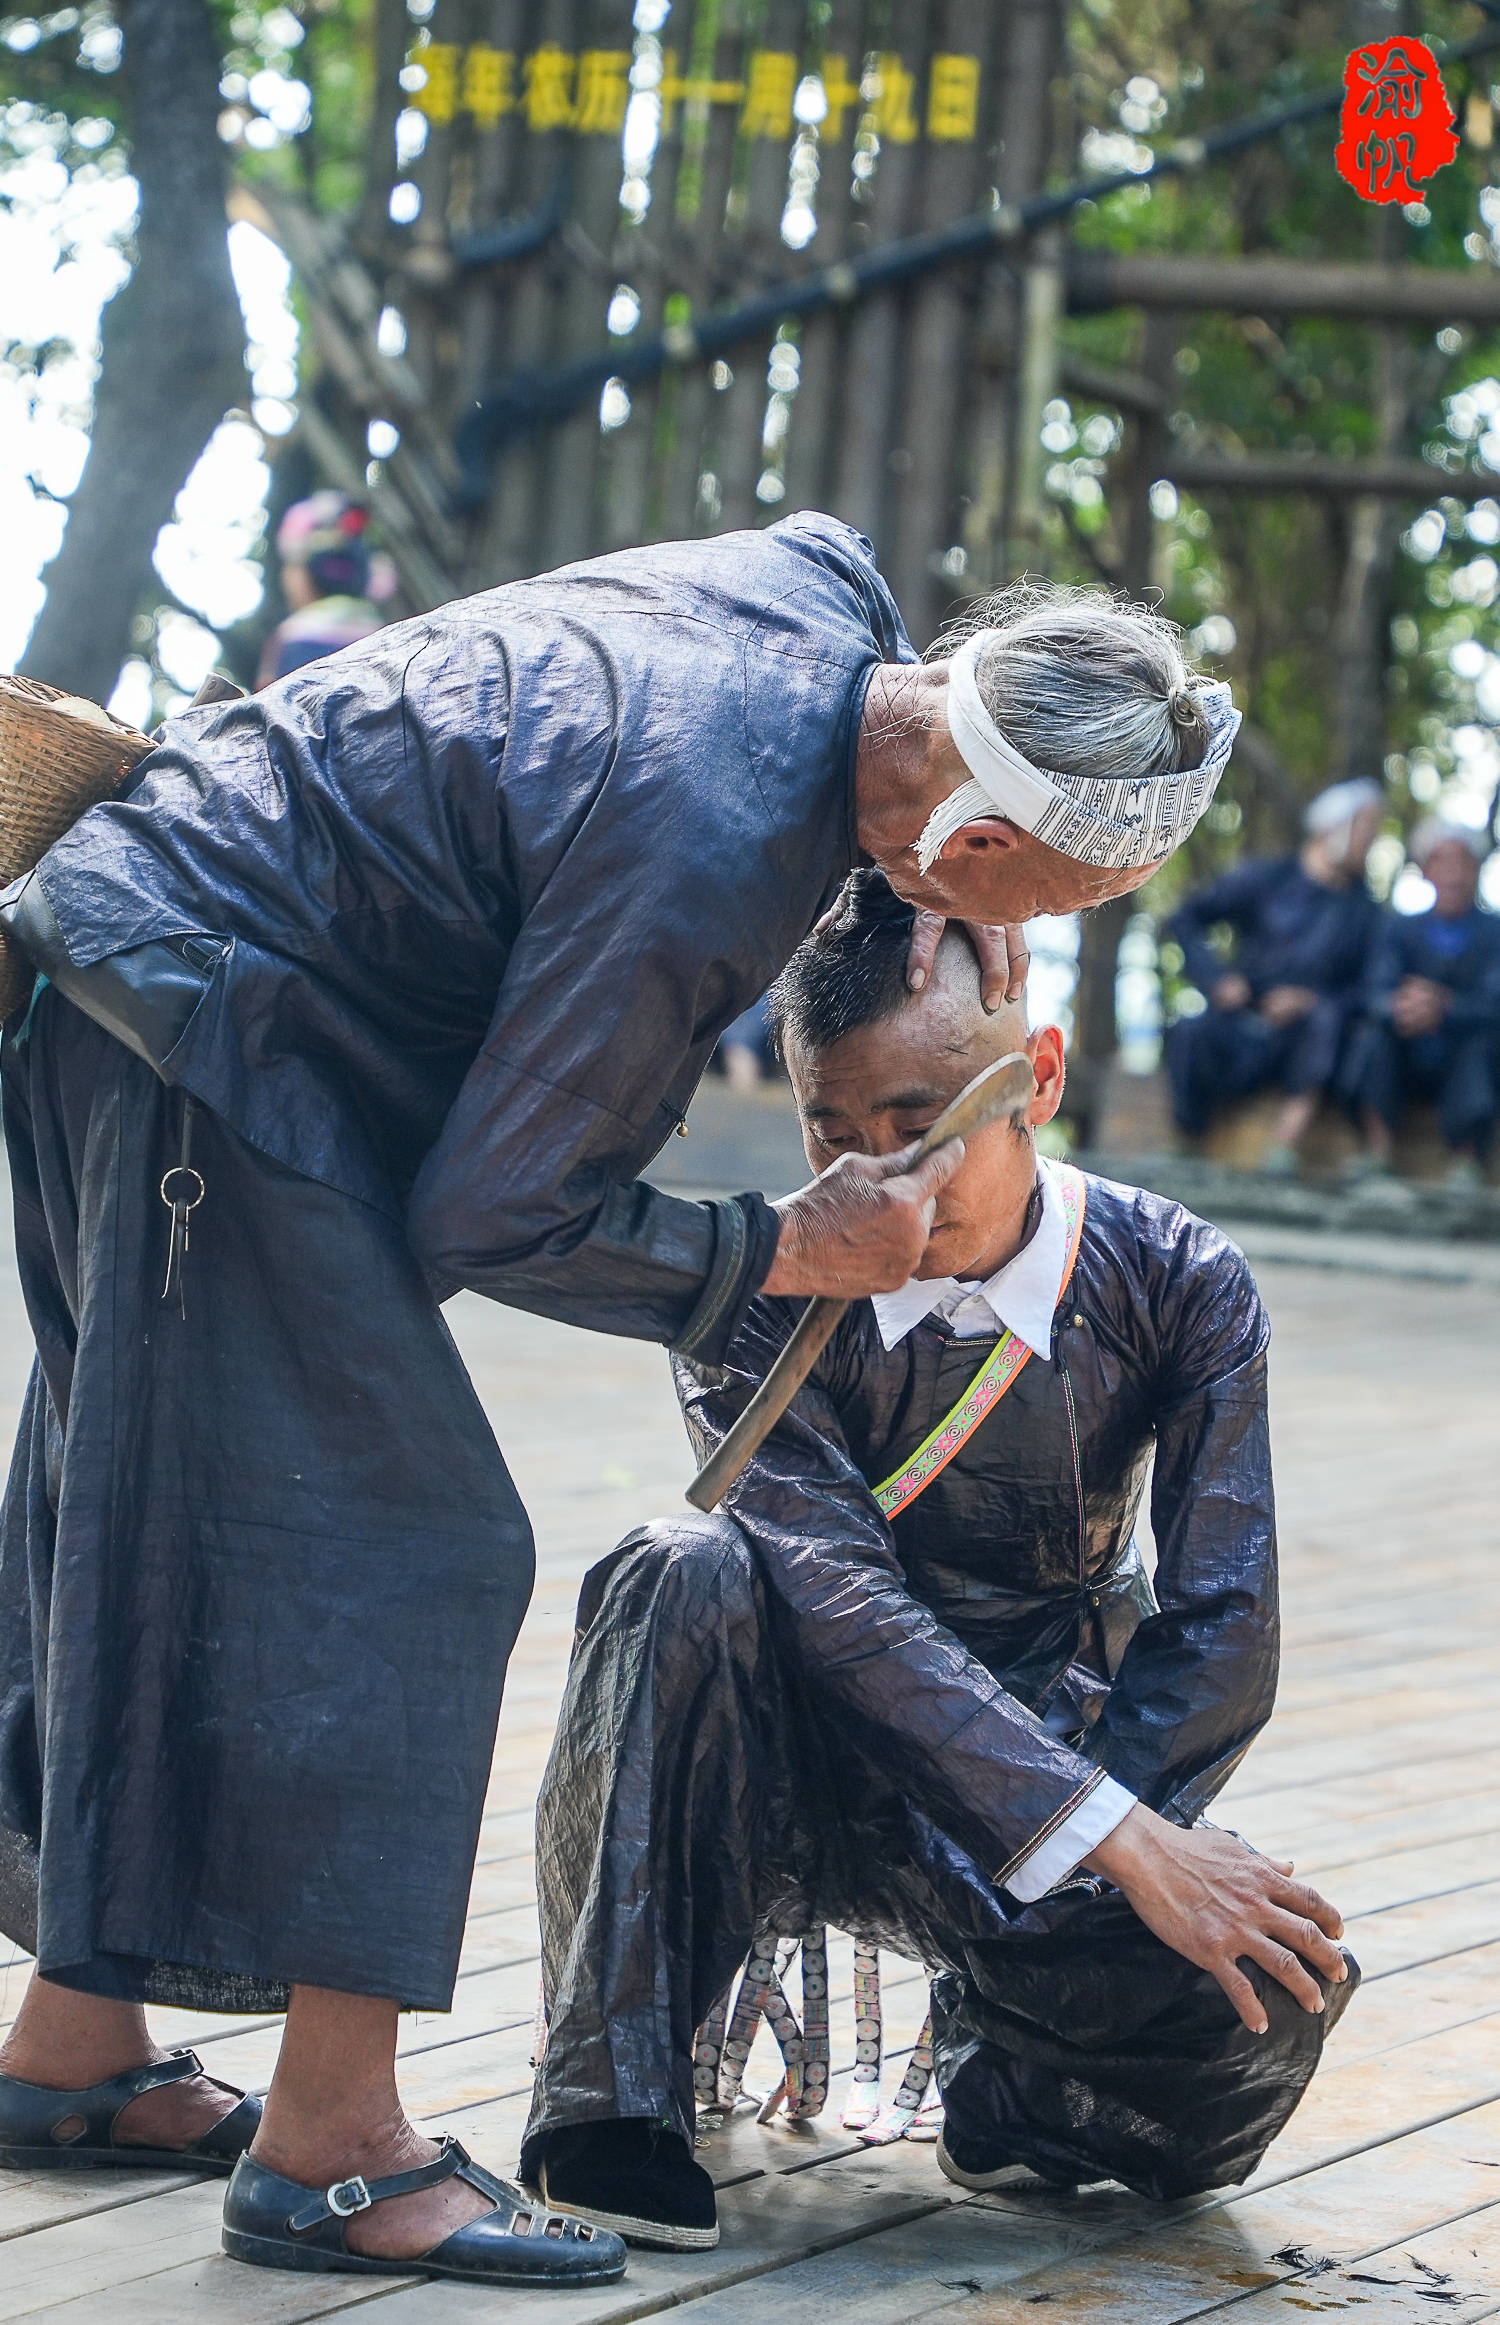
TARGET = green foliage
(1148,71)
(296,87)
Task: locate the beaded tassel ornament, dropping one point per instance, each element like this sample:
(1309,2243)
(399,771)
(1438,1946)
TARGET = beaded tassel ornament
(863,2103)
(907,2117)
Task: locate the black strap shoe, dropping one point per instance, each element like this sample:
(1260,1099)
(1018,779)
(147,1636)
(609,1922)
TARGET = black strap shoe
(276,2223)
(635,2177)
(51,2131)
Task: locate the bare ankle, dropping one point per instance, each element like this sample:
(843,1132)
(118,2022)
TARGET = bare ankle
(64,2041)
(333,2144)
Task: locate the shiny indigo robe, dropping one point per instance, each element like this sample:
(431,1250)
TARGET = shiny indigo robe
(476,898)
(792,1712)
(494,882)
(1022,1550)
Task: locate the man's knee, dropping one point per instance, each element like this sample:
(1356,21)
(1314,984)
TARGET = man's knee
(683,1565)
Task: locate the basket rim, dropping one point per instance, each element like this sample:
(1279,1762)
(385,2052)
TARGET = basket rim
(34,695)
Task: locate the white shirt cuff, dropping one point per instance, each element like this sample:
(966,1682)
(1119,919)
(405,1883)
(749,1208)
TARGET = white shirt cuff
(1091,1822)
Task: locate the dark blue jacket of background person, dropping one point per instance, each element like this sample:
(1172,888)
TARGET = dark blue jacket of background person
(1289,930)
(488,888)
(1459,1063)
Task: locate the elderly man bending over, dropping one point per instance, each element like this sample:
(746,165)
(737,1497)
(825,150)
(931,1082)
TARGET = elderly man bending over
(916,1682)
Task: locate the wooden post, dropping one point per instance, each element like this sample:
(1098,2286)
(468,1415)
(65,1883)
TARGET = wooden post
(605,29)
(1095,1043)
(1036,385)
(863,471)
(1371,529)
(483,296)
(937,323)
(753,244)
(420,247)
(1031,46)
(393,31)
(632,457)
(719,49)
(819,407)
(509,540)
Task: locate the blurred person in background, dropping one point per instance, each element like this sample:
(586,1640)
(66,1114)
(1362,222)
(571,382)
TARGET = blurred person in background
(327,574)
(1279,1010)
(1433,1028)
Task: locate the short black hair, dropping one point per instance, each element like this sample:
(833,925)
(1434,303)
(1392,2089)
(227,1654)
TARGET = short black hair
(850,974)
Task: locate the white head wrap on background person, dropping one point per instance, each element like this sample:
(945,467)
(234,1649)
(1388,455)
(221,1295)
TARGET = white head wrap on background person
(1335,808)
(1121,822)
(1432,832)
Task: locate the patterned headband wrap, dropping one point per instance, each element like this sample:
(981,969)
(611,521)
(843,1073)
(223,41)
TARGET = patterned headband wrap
(1121,822)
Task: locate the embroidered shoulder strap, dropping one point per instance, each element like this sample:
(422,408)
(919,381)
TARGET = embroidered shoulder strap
(989,1384)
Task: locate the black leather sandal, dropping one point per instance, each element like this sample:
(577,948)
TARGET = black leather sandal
(52,2131)
(277,2223)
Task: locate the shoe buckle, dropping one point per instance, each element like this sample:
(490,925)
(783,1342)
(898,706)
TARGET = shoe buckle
(346,2197)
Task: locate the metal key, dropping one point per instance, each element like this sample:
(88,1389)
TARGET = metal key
(182,1191)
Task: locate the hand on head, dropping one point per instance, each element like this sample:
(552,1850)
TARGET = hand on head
(1003,955)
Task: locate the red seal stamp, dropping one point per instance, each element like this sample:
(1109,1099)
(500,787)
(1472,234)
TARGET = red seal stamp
(1395,124)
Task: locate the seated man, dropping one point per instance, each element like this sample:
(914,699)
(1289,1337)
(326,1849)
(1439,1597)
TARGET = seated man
(1277,1015)
(1433,1029)
(913,1680)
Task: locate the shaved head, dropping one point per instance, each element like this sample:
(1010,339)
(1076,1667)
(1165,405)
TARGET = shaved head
(853,974)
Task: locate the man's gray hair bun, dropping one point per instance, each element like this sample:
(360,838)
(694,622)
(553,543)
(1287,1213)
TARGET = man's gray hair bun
(1080,720)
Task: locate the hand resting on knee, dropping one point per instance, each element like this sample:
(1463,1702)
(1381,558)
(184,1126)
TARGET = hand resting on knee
(1218,1902)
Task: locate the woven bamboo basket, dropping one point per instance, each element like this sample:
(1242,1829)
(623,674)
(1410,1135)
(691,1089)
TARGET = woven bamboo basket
(58,756)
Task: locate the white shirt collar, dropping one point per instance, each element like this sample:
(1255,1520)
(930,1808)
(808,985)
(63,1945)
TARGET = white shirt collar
(1022,1295)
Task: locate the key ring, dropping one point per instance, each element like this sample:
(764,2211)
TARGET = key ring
(188,1202)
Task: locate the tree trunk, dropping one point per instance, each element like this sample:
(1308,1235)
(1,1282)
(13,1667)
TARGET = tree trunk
(1372,531)
(1095,1033)
(171,352)
(1031,46)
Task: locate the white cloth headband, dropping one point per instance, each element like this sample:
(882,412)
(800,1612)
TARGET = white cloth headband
(1123,821)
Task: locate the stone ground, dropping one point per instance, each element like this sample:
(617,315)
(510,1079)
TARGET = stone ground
(1382,2198)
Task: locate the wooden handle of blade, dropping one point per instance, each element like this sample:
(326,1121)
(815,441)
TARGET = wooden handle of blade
(813,1330)
(1002,1088)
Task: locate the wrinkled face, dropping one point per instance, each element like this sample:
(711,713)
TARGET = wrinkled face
(880,1087)
(1454,874)
(990,871)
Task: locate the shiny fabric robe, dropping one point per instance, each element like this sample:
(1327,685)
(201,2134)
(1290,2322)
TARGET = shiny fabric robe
(1007,1609)
(789,1712)
(483,891)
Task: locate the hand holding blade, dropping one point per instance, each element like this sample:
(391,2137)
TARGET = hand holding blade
(1005,1088)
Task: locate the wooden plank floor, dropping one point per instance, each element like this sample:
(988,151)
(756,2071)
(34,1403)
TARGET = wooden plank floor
(1379,1775)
